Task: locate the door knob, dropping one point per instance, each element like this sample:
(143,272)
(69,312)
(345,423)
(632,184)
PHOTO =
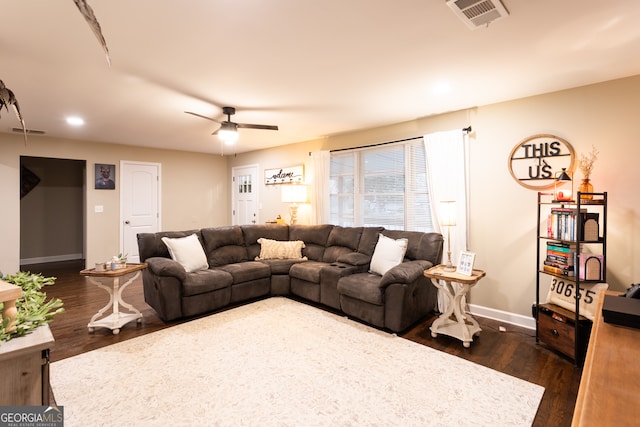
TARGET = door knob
(127,222)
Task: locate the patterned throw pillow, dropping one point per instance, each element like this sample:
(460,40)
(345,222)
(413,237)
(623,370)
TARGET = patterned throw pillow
(563,292)
(276,249)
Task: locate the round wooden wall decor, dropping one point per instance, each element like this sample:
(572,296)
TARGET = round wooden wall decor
(534,162)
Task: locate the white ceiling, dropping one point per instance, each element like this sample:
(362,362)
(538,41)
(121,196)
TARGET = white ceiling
(315,68)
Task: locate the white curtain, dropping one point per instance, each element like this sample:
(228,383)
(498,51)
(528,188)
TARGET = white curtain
(320,161)
(447,166)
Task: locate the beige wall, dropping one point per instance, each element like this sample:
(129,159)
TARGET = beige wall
(194,191)
(503,213)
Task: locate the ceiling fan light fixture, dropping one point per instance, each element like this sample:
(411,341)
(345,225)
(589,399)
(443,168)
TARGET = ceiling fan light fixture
(228,133)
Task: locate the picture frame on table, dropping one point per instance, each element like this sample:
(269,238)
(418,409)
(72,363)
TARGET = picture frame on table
(465,265)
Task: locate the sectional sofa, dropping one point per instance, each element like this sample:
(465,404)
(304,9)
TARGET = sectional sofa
(345,268)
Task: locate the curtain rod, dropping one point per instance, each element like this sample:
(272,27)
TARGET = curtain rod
(466,130)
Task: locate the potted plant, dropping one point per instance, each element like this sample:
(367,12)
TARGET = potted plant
(33,308)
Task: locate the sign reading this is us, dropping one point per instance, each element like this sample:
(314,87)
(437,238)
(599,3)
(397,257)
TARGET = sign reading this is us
(534,162)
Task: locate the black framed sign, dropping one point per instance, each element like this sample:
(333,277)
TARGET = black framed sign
(535,160)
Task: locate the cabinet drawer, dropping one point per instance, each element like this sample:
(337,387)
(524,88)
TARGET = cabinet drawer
(556,334)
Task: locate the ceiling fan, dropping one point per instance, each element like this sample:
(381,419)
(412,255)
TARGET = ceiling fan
(228,130)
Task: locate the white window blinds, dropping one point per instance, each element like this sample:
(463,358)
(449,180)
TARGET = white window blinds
(384,185)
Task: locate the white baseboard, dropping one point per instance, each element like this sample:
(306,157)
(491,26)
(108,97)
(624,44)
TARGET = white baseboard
(54,258)
(527,322)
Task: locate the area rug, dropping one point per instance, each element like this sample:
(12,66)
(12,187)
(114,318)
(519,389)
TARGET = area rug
(278,362)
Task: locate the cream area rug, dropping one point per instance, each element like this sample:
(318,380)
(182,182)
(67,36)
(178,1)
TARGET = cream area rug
(278,362)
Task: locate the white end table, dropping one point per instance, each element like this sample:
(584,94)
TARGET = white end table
(110,280)
(454,322)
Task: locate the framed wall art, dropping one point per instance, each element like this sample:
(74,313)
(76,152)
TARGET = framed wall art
(105,176)
(290,175)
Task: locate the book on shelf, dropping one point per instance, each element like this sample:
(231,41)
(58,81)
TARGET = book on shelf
(566,247)
(560,271)
(561,259)
(559,264)
(563,223)
(561,254)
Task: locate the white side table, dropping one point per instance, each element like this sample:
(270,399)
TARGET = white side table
(454,322)
(110,280)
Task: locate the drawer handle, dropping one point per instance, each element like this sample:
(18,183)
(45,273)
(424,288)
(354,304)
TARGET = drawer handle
(555,332)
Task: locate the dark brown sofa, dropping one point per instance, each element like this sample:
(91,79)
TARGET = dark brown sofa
(334,272)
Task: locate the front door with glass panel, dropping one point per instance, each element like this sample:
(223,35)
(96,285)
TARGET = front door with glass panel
(245,195)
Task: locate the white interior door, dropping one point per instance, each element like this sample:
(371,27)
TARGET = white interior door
(245,195)
(139,204)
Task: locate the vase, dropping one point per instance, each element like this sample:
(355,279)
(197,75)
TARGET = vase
(586,187)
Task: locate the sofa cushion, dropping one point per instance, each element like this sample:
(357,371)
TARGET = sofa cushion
(388,254)
(341,241)
(362,286)
(281,266)
(308,271)
(253,232)
(314,237)
(202,281)
(275,249)
(188,252)
(368,240)
(224,245)
(246,271)
(425,246)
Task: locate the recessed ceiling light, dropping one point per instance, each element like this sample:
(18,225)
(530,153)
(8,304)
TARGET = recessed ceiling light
(75,121)
(441,87)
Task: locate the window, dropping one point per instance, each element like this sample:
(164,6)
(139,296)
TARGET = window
(385,185)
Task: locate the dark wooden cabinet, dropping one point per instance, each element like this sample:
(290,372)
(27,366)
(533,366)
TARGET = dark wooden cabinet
(557,329)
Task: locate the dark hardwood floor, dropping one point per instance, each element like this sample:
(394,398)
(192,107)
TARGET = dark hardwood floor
(513,352)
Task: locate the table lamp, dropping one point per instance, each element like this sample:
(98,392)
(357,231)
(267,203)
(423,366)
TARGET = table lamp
(448,219)
(294,194)
(559,191)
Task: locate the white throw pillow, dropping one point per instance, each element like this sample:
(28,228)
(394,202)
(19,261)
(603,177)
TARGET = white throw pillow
(188,252)
(276,249)
(387,254)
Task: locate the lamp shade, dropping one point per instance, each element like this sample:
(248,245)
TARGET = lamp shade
(294,193)
(447,213)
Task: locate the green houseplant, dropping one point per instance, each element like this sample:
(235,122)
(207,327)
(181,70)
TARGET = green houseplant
(33,308)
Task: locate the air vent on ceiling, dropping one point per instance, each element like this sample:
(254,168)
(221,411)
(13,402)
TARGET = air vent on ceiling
(478,13)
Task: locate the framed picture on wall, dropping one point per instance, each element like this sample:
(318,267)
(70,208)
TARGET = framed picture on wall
(465,266)
(105,177)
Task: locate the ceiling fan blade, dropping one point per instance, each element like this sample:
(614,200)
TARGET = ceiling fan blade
(249,126)
(216,131)
(203,117)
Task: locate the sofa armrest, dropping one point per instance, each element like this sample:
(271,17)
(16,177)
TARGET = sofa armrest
(405,273)
(166,267)
(355,258)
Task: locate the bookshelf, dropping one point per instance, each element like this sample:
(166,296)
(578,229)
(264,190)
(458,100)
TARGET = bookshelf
(571,261)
